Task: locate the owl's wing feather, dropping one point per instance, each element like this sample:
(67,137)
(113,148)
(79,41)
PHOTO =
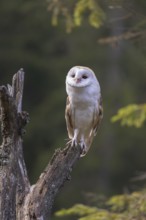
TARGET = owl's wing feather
(68,117)
(98,115)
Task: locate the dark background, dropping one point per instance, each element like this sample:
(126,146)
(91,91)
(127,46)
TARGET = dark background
(28,40)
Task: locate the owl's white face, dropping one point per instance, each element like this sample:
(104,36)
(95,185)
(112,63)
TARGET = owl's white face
(80,76)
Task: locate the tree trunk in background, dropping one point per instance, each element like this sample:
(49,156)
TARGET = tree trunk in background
(18,199)
(113,84)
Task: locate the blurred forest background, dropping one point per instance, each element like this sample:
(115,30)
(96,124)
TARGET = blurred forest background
(46,52)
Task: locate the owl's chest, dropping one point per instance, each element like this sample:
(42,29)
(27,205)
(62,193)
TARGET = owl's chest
(82,98)
(83,118)
(83,108)
(83,102)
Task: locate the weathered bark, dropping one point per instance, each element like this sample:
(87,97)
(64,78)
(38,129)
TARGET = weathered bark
(18,199)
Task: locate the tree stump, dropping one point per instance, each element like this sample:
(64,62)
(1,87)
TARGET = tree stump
(18,199)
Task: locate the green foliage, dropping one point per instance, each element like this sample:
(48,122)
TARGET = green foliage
(85,212)
(77,209)
(61,8)
(131,115)
(96,15)
(121,207)
(74,12)
(118,203)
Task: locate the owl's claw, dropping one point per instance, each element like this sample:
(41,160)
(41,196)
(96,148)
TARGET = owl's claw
(82,146)
(68,142)
(83,149)
(74,142)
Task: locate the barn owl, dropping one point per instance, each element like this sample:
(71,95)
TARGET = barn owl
(83,108)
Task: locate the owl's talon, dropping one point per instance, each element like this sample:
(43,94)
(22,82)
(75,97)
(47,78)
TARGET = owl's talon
(83,149)
(74,143)
(69,143)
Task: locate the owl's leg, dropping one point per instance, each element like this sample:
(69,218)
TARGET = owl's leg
(75,138)
(79,141)
(83,146)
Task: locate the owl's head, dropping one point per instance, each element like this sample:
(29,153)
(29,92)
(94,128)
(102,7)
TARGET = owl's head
(80,76)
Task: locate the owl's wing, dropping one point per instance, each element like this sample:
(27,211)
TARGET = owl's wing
(68,117)
(98,115)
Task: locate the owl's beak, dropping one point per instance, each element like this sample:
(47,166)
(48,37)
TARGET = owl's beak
(78,80)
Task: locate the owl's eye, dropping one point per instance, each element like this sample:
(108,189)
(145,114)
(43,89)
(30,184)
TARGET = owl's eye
(84,77)
(73,75)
